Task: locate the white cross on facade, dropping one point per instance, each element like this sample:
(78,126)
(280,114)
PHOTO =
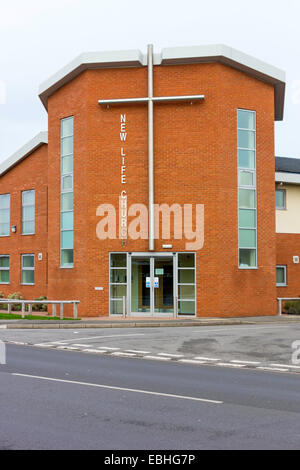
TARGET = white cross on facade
(150,100)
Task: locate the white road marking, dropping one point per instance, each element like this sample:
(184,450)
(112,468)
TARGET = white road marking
(201,358)
(137,352)
(272,369)
(109,349)
(170,355)
(110,387)
(93,337)
(191,361)
(253,363)
(123,354)
(158,358)
(68,348)
(285,365)
(229,364)
(82,345)
(94,351)
(3,327)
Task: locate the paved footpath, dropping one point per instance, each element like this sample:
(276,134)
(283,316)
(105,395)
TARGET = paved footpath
(264,345)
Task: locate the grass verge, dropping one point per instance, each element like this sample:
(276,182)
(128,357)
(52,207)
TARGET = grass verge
(15,316)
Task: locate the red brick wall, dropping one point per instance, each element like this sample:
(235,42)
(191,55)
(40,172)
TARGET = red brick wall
(30,173)
(288,245)
(195,162)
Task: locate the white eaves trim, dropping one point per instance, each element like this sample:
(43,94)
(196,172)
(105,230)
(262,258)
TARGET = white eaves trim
(171,56)
(291,178)
(23,152)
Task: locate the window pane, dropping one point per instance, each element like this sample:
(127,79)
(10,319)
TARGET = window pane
(246,178)
(4,201)
(4,261)
(28,213)
(247,258)
(67,146)
(28,277)
(280,199)
(67,182)
(247,198)
(118,260)
(280,275)
(118,291)
(67,220)
(67,164)
(67,201)
(246,139)
(66,257)
(67,127)
(246,159)
(4,230)
(186,260)
(246,119)
(116,307)
(247,238)
(247,218)
(28,197)
(186,276)
(67,239)
(28,228)
(4,277)
(4,216)
(118,275)
(186,292)
(186,308)
(28,261)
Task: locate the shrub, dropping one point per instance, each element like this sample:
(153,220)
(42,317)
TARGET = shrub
(292,307)
(16,296)
(2,296)
(40,307)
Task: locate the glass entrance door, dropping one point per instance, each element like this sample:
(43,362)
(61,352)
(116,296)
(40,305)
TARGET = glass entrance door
(152,285)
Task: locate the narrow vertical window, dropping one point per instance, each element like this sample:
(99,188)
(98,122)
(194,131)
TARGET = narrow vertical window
(28,212)
(66,220)
(186,275)
(4,215)
(247,206)
(281,280)
(4,269)
(280,199)
(27,274)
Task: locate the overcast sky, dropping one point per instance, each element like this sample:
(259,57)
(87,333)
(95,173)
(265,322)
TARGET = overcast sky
(38,37)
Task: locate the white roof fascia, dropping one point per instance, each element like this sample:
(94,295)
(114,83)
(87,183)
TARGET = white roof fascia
(171,56)
(234,58)
(23,152)
(89,60)
(291,178)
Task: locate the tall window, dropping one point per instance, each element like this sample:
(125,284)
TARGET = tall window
(280,199)
(186,284)
(4,215)
(4,269)
(28,212)
(66,221)
(247,189)
(27,274)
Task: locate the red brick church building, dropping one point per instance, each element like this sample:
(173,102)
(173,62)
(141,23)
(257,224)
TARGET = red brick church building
(153,191)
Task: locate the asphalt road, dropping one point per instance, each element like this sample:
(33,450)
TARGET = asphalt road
(260,345)
(71,400)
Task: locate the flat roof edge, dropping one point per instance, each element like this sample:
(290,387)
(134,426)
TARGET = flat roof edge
(40,139)
(282,177)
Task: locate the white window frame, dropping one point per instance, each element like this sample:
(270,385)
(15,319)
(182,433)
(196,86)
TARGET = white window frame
(6,269)
(284,267)
(8,234)
(27,269)
(28,205)
(247,187)
(65,191)
(284,199)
